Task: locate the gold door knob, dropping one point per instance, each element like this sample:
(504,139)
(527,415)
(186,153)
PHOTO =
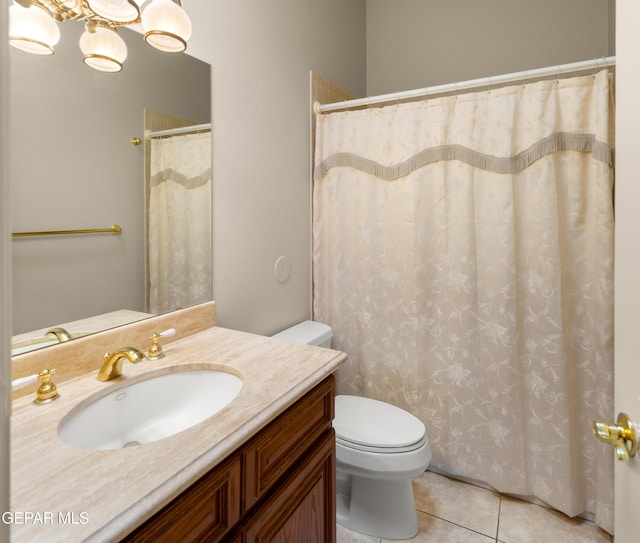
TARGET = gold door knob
(621,435)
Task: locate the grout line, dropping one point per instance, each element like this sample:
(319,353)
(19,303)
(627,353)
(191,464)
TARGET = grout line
(499,516)
(459,525)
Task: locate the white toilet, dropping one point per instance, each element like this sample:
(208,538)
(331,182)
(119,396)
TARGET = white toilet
(379,449)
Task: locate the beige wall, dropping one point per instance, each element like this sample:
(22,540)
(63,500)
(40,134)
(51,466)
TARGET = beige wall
(261,54)
(416,43)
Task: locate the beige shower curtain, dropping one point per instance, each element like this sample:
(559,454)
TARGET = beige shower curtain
(179,222)
(463,254)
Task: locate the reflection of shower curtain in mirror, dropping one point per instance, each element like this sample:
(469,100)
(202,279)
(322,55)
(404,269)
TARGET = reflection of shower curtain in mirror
(179,224)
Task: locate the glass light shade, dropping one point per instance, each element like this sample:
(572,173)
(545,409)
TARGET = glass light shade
(103,49)
(32,29)
(166,25)
(118,11)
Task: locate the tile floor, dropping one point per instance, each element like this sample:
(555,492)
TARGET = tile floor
(451,511)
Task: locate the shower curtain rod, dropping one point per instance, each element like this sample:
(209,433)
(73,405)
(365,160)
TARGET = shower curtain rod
(175,131)
(465,85)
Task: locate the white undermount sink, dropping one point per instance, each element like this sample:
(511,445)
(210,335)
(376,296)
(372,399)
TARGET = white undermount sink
(149,410)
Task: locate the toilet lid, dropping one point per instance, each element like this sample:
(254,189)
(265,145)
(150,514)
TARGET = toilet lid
(371,423)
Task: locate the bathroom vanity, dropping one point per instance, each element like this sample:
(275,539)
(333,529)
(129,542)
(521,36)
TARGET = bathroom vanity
(278,486)
(261,469)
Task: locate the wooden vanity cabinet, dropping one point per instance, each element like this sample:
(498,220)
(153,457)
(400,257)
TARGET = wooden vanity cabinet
(279,486)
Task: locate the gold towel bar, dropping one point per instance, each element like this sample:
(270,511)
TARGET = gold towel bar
(115,229)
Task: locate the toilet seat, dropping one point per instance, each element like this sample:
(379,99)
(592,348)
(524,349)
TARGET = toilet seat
(369,425)
(381,450)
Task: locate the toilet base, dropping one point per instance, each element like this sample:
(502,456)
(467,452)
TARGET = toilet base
(379,508)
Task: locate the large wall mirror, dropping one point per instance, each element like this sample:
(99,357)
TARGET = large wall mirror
(74,167)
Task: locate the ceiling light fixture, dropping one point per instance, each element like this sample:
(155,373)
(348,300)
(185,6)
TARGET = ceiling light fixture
(33,27)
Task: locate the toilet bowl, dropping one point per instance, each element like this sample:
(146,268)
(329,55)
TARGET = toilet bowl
(379,449)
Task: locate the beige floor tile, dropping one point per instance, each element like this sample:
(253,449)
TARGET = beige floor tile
(435,530)
(522,522)
(459,503)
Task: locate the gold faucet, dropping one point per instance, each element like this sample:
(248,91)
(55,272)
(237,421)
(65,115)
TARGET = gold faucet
(112,365)
(59,333)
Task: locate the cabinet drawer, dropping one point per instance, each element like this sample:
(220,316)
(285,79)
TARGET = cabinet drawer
(270,454)
(204,512)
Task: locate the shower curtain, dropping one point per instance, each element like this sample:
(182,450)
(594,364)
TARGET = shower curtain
(463,254)
(179,222)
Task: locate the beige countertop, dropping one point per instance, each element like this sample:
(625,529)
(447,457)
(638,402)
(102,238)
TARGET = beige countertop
(64,494)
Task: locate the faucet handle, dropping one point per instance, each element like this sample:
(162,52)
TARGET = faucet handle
(155,351)
(22,382)
(47,391)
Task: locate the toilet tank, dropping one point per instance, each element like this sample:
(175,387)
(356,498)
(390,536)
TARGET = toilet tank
(308,333)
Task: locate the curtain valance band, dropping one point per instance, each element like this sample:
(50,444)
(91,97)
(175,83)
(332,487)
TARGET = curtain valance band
(172,175)
(561,141)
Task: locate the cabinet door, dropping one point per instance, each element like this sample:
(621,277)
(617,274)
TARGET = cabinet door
(303,507)
(204,512)
(273,452)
